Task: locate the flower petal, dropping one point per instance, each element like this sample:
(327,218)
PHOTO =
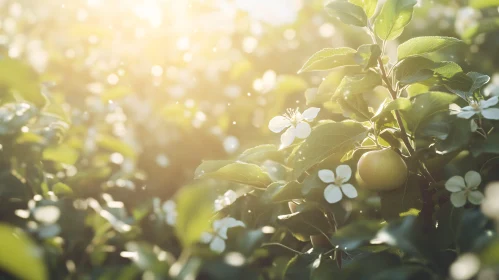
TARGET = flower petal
(458,199)
(466,114)
(278,124)
(303,130)
(206,237)
(491,113)
(467,108)
(455,184)
(473,125)
(310,113)
(344,171)
(475,197)
(217,245)
(489,102)
(454,109)
(349,190)
(332,193)
(288,137)
(326,176)
(473,179)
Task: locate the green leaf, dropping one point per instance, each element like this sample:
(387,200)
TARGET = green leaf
(367,55)
(480,4)
(355,235)
(414,69)
(327,59)
(62,153)
(401,104)
(115,145)
(398,201)
(357,84)
(424,45)
(367,265)
(484,146)
(300,266)
(347,12)
(479,80)
(20,256)
(22,79)
(281,191)
(407,235)
(61,189)
(194,213)
(328,86)
(326,139)
(425,106)
(307,220)
(235,171)
(369,6)
(261,153)
(406,272)
(392,19)
(354,107)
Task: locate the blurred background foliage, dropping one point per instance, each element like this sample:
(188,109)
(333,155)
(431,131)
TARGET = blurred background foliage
(107,108)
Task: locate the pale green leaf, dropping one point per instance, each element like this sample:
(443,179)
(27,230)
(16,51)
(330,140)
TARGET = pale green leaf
(234,171)
(424,45)
(394,16)
(194,213)
(329,58)
(369,6)
(347,13)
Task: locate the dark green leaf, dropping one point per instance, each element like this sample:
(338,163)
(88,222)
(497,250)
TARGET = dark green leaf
(326,139)
(458,137)
(282,191)
(479,80)
(307,220)
(400,200)
(355,235)
(425,106)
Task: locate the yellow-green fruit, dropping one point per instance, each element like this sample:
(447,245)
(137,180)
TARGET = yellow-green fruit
(320,241)
(19,255)
(382,170)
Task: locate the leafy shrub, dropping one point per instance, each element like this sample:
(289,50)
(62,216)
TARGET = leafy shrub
(388,172)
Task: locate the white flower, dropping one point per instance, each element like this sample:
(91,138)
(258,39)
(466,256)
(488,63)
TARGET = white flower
(333,192)
(463,189)
(219,235)
(225,200)
(295,122)
(480,107)
(170,209)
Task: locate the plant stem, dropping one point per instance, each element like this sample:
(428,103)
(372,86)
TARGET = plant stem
(404,137)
